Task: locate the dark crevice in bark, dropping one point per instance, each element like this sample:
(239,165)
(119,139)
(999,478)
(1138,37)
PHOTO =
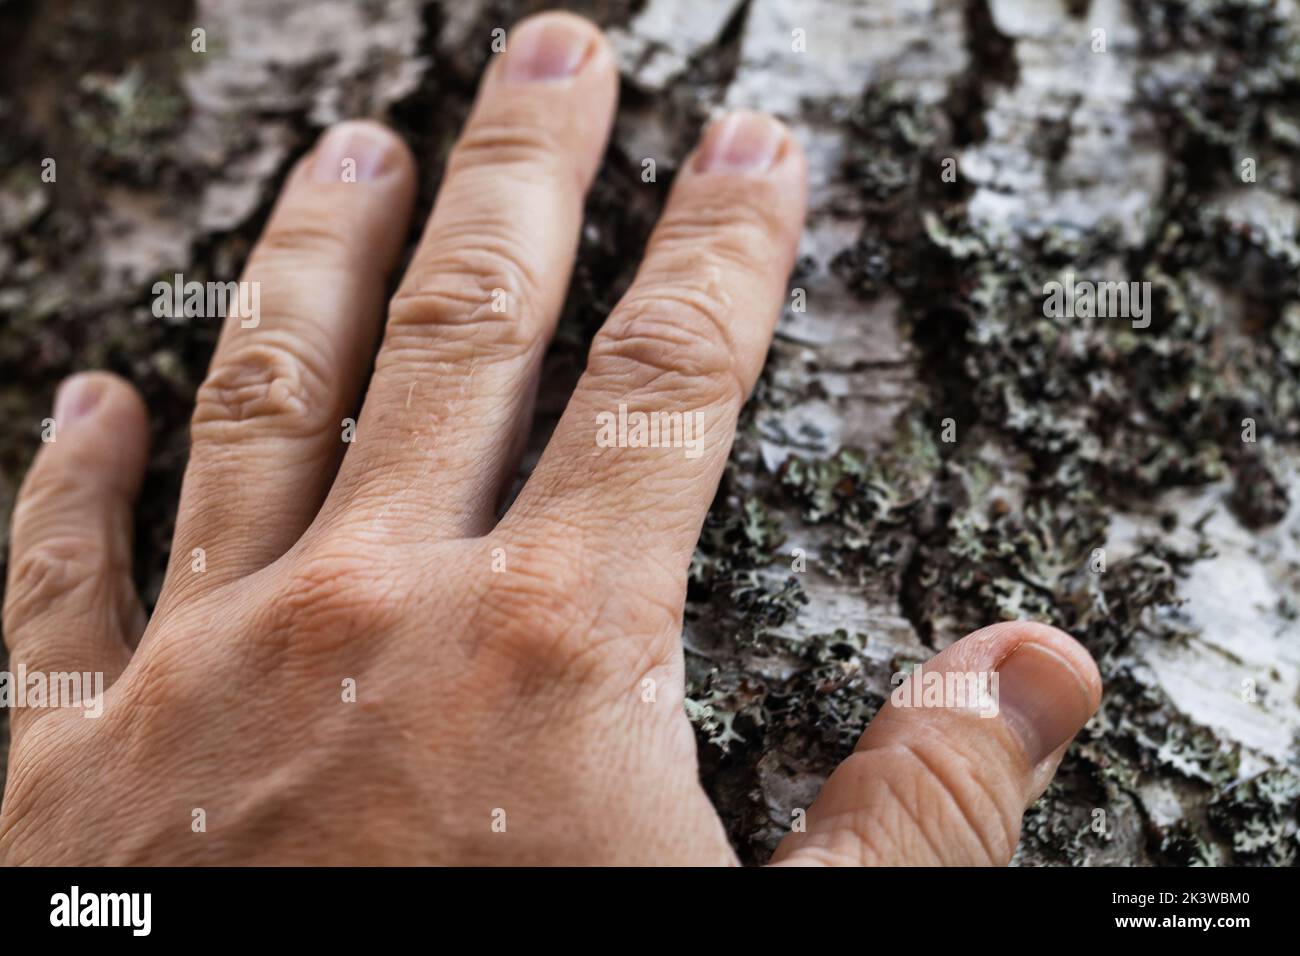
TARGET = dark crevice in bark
(992,63)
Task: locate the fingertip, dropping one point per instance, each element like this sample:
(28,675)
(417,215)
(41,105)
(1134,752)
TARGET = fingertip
(747,142)
(359,151)
(556,46)
(1044,686)
(103,425)
(97,393)
(553,85)
(349,197)
(752,159)
(1048,683)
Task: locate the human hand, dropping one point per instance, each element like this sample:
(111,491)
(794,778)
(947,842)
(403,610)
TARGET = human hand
(371,668)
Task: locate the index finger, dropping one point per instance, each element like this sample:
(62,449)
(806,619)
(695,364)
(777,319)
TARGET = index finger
(635,460)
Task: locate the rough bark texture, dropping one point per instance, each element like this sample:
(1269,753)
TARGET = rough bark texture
(916,316)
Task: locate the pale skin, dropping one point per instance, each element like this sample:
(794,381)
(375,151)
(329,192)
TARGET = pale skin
(482,696)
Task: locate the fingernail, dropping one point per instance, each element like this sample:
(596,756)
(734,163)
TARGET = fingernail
(352,153)
(1042,698)
(741,143)
(76,398)
(547,48)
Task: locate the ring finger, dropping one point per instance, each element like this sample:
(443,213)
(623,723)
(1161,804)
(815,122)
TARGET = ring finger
(267,431)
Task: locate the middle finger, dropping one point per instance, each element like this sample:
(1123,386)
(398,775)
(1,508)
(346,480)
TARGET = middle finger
(455,377)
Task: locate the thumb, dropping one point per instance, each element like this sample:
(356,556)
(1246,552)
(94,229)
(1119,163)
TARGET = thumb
(945,771)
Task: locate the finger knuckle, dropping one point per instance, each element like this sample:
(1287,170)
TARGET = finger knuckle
(329,596)
(477,299)
(53,570)
(512,137)
(740,235)
(315,239)
(538,615)
(671,339)
(263,384)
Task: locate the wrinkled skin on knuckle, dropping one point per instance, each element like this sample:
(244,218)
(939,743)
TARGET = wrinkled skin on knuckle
(301,625)
(63,569)
(329,599)
(741,234)
(309,239)
(553,625)
(263,385)
(535,621)
(510,143)
(452,311)
(669,341)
